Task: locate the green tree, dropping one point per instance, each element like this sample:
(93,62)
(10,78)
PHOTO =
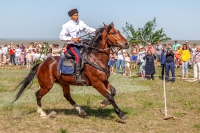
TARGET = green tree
(131,34)
(146,34)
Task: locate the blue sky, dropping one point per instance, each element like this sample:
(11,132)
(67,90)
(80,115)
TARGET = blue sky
(44,18)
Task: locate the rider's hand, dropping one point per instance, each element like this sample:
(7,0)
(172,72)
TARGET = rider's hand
(76,40)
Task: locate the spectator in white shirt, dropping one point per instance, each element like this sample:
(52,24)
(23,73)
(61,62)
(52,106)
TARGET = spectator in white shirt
(5,52)
(17,55)
(36,56)
(193,51)
(197,63)
(120,61)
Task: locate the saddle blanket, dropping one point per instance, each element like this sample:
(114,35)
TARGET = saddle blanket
(65,69)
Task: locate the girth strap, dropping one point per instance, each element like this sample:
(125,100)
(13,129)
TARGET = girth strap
(98,67)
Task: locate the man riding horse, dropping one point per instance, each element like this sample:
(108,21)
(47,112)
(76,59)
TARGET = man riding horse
(71,31)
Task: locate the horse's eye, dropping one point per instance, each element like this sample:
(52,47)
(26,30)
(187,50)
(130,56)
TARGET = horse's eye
(113,33)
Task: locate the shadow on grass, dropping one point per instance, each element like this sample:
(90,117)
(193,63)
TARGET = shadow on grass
(105,113)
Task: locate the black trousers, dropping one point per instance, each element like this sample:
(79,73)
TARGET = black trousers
(162,71)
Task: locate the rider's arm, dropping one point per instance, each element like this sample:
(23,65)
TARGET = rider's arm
(86,28)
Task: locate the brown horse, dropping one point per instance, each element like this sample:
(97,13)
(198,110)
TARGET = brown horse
(96,71)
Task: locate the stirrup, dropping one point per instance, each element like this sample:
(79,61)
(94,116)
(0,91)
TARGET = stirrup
(79,79)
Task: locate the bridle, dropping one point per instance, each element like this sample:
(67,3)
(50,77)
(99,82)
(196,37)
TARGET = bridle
(104,49)
(112,47)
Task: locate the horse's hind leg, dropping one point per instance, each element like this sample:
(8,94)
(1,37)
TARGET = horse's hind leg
(112,90)
(67,95)
(39,94)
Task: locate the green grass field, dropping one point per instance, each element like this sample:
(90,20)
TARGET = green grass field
(141,100)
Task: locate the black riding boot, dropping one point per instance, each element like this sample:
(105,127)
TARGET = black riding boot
(77,73)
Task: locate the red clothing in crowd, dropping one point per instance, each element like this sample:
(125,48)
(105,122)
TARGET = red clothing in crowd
(12,51)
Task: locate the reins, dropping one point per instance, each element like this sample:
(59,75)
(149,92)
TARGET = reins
(102,50)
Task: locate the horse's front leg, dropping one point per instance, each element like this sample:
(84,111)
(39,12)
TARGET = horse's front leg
(103,90)
(112,90)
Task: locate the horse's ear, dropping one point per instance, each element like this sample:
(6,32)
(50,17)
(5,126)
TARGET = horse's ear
(112,24)
(105,26)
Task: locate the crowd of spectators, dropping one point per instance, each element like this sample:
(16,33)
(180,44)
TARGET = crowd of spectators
(149,57)
(28,54)
(146,58)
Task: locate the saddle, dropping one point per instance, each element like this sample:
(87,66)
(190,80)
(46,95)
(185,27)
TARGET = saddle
(66,63)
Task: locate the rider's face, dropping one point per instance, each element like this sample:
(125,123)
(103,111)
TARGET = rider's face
(74,17)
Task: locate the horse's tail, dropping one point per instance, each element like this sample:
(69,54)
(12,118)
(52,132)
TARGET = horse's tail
(26,81)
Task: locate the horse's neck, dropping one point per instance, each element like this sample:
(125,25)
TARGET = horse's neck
(102,57)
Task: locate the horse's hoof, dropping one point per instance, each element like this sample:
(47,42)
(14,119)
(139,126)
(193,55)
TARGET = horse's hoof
(43,115)
(104,103)
(83,114)
(102,106)
(122,116)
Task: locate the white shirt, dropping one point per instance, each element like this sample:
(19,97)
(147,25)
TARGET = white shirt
(127,59)
(119,55)
(5,50)
(73,29)
(17,52)
(36,56)
(193,51)
(141,55)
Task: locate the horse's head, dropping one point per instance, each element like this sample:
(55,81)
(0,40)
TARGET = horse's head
(114,37)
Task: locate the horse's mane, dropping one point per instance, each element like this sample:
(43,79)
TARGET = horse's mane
(95,40)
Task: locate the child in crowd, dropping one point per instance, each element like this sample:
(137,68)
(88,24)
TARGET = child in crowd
(177,57)
(127,60)
(29,58)
(141,62)
(111,62)
(22,58)
(6,59)
(134,52)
